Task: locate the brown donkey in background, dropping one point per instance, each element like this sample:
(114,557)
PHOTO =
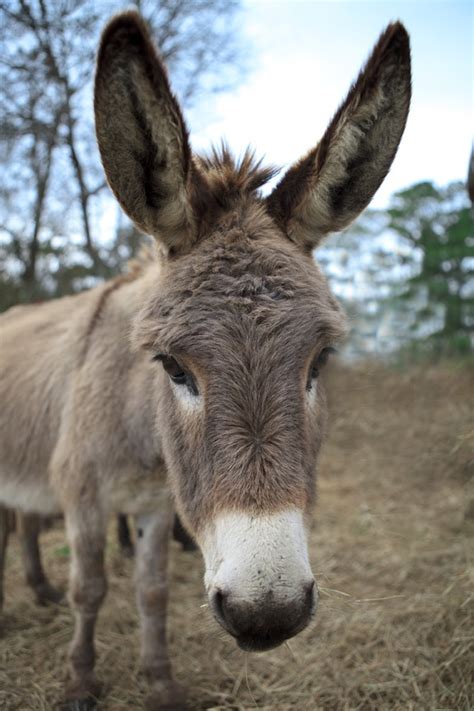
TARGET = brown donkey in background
(193,382)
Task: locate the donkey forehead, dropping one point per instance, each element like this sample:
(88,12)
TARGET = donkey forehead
(241,292)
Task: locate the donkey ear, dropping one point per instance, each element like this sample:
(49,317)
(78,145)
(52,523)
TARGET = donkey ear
(141,133)
(329,187)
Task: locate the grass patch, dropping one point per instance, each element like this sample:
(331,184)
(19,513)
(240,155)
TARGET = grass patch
(391,547)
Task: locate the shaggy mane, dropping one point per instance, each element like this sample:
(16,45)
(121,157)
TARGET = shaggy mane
(228,177)
(225,179)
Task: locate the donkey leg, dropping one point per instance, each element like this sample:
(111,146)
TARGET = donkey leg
(86,529)
(29,527)
(4,532)
(153,534)
(124,536)
(182,536)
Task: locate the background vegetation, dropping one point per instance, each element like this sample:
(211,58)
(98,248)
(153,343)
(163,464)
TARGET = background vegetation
(406,273)
(391,541)
(53,195)
(391,547)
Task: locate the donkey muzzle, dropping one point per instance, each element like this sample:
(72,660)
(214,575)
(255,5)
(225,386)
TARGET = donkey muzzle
(258,578)
(263,625)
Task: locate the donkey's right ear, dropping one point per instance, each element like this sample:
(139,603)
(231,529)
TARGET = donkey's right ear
(141,133)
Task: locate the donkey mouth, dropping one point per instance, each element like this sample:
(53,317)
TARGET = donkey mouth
(261,629)
(259,644)
(248,642)
(263,641)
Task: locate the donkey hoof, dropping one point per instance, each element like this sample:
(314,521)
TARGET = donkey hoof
(46,594)
(166,696)
(81,696)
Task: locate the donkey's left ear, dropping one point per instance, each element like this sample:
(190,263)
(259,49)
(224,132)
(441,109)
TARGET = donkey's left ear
(328,188)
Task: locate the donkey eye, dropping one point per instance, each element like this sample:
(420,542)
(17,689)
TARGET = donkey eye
(174,370)
(177,373)
(317,364)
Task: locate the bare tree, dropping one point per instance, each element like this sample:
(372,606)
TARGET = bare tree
(197,40)
(46,141)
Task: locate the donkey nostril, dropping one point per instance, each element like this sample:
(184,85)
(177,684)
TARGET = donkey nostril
(218,604)
(223,611)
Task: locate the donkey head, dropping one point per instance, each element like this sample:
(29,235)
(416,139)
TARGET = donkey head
(239,317)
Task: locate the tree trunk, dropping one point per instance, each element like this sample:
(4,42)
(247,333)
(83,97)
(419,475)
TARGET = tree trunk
(84,194)
(43,173)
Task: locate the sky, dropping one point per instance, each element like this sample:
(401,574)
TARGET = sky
(303,56)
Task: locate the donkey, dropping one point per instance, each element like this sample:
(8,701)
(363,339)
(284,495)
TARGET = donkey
(124,536)
(28,527)
(193,381)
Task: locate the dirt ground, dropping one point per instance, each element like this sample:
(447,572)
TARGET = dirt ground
(392,549)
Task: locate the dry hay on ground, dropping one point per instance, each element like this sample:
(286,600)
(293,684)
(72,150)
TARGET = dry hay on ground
(392,550)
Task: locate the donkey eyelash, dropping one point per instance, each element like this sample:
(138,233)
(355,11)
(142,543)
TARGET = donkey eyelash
(319,362)
(176,372)
(326,353)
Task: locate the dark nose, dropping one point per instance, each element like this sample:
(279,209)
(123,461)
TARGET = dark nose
(259,626)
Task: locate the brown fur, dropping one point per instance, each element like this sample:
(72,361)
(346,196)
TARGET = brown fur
(328,188)
(90,424)
(147,173)
(266,307)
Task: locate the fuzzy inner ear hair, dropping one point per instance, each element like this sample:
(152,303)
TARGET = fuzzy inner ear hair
(142,136)
(329,187)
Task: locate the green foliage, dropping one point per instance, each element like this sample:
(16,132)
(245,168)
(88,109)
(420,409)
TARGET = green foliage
(439,297)
(406,275)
